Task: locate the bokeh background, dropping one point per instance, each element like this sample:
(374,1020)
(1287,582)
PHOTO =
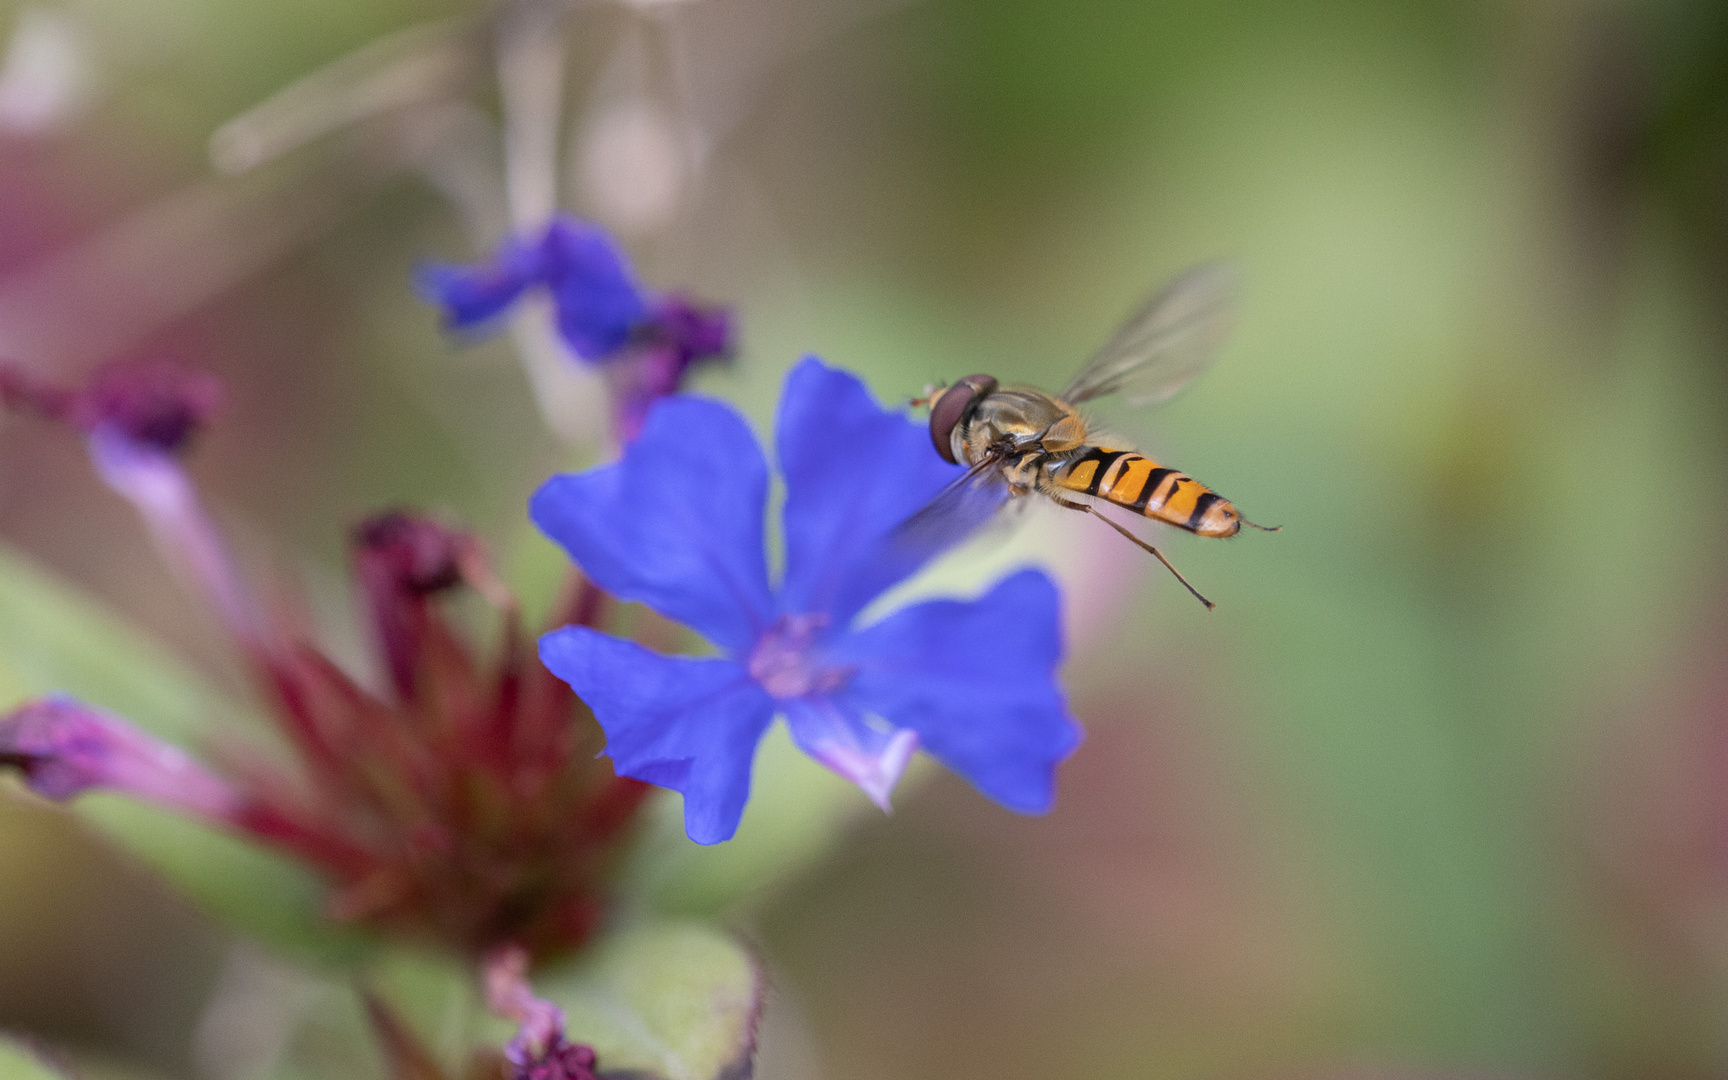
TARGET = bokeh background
(1442,785)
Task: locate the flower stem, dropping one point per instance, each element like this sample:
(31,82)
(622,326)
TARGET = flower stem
(531,50)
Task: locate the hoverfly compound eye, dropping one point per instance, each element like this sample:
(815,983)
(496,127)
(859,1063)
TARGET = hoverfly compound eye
(951,407)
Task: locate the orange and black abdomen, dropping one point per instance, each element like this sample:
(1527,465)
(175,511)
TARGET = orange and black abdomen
(1140,484)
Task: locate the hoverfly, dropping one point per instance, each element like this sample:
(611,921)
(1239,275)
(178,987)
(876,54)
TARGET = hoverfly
(1019,440)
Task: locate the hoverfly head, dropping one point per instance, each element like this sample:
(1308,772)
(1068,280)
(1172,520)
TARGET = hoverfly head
(951,406)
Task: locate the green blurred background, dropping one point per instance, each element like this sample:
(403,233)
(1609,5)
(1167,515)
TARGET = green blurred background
(1443,782)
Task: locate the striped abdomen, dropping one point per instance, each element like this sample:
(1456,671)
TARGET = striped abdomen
(1140,484)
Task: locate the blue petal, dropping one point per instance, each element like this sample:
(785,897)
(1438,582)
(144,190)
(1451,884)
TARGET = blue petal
(977,681)
(853,471)
(599,304)
(686,724)
(835,732)
(473,294)
(676,524)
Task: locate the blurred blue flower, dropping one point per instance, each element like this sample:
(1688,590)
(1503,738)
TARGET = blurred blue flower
(677,524)
(646,341)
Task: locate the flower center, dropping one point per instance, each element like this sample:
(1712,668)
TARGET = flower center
(785,664)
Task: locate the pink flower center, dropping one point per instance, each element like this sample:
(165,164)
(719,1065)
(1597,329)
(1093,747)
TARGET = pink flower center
(784,661)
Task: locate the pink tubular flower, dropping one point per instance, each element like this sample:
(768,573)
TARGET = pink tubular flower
(64,747)
(462,805)
(137,420)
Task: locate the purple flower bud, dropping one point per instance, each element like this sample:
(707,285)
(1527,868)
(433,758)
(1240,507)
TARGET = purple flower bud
(400,561)
(473,762)
(64,747)
(696,331)
(158,405)
(563,1060)
(539,1050)
(409,554)
(678,335)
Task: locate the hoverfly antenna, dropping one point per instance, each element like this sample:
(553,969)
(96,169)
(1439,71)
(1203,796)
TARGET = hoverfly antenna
(930,392)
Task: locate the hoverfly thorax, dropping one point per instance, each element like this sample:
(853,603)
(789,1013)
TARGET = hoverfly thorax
(1067,435)
(1020,419)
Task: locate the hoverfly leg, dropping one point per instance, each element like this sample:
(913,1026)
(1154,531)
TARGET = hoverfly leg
(1093,510)
(1262,528)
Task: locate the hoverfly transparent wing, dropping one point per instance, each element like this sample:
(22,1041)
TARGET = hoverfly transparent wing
(1168,340)
(952,514)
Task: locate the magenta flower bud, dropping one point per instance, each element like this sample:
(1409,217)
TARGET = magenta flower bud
(697,331)
(158,405)
(564,1060)
(401,561)
(64,747)
(411,554)
(539,1050)
(677,335)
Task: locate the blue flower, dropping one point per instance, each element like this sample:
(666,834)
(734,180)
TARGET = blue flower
(677,524)
(647,341)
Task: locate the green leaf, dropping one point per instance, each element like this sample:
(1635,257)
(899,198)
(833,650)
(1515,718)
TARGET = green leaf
(315,1024)
(437,997)
(656,1001)
(329,1036)
(263,894)
(55,639)
(52,637)
(677,1001)
(17,1062)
